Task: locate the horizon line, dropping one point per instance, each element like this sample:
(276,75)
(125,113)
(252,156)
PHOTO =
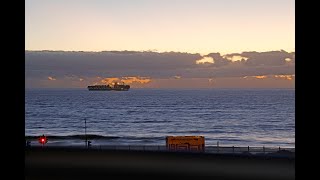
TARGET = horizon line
(153,51)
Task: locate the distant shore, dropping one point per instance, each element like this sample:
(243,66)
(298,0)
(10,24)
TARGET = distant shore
(87,163)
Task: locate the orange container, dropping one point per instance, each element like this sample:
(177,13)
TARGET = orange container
(185,143)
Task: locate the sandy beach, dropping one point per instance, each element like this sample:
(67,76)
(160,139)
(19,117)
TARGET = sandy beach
(62,163)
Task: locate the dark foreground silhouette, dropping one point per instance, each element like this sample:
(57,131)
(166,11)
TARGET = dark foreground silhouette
(68,163)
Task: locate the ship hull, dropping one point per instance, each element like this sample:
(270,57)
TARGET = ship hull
(109,88)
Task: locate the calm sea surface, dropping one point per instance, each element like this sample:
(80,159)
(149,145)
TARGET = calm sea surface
(146,116)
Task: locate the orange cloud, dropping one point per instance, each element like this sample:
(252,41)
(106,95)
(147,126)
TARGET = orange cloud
(260,77)
(109,80)
(257,77)
(130,80)
(282,76)
(126,80)
(51,78)
(288,77)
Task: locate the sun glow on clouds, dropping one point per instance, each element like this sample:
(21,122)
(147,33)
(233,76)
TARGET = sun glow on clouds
(257,77)
(236,58)
(177,77)
(260,77)
(127,80)
(281,76)
(51,78)
(288,59)
(288,77)
(130,80)
(204,60)
(109,80)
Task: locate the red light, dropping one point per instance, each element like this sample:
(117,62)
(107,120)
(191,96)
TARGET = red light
(43,140)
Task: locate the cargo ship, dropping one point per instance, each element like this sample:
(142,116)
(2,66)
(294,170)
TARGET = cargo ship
(110,87)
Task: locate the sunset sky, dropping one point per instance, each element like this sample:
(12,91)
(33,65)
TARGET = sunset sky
(160,43)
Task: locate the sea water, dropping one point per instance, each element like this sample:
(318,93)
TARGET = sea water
(232,117)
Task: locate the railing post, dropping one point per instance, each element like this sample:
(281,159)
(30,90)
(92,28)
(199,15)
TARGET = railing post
(248,149)
(218,146)
(279,148)
(28,143)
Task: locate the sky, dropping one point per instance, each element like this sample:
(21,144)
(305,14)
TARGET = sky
(209,43)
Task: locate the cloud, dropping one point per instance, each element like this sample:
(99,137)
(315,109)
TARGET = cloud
(218,59)
(51,78)
(140,80)
(107,63)
(288,59)
(126,80)
(205,60)
(256,77)
(271,58)
(177,77)
(279,76)
(109,80)
(260,77)
(211,80)
(143,67)
(235,57)
(288,77)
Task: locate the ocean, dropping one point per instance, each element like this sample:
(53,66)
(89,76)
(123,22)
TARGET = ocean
(232,117)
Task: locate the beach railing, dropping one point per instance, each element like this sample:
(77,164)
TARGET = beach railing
(246,149)
(208,149)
